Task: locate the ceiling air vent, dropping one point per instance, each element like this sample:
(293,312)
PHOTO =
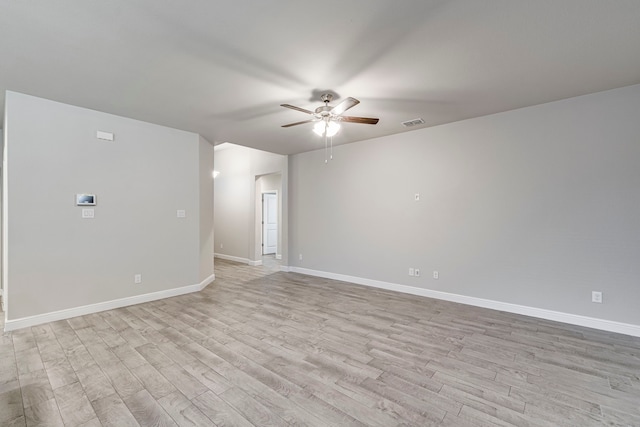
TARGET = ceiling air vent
(413,122)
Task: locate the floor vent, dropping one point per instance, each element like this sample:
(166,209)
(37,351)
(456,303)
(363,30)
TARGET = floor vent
(413,122)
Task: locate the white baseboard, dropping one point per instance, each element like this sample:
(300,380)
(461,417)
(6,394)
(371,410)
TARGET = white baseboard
(206,282)
(232,258)
(573,319)
(278,256)
(285,268)
(12,325)
(238,259)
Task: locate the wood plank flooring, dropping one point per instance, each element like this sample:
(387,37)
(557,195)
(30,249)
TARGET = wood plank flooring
(265,348)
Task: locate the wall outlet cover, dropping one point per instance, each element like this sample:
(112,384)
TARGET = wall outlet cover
(596,296)
(105,136)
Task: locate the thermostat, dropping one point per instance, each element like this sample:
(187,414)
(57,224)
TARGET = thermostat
(85,199)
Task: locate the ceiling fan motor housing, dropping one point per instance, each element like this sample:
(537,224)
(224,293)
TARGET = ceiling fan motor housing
(323,111)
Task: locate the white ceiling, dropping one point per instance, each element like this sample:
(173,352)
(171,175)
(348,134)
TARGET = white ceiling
(221,68)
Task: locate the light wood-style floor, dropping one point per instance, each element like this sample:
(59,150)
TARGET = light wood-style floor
(263,348)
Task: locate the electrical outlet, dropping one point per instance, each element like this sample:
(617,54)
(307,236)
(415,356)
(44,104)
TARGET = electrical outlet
(596,297)
(411,272)
(300,257)
(137,278)
(417,271)
(436,274)
(221,246)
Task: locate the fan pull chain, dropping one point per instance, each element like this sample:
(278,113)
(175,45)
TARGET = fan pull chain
(325,147)
(331,151)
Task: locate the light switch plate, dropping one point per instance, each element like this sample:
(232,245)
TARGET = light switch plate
(181,213)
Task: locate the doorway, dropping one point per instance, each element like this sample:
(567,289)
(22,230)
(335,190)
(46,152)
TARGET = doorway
(269,223)
(268,218)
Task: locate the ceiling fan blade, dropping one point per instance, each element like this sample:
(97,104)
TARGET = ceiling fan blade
(293,107)
(298,123)
(344,106)
(363,120)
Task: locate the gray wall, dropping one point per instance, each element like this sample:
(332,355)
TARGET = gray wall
(537,206)
(235,199)
(57,260)
(231,202)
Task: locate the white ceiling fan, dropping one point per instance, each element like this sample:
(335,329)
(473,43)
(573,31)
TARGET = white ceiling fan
(327,117)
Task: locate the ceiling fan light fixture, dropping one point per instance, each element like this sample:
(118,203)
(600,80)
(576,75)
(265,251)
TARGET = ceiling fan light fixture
(330,127)
(319,128)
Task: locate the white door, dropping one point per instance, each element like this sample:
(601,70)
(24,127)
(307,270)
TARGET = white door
(269,223)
